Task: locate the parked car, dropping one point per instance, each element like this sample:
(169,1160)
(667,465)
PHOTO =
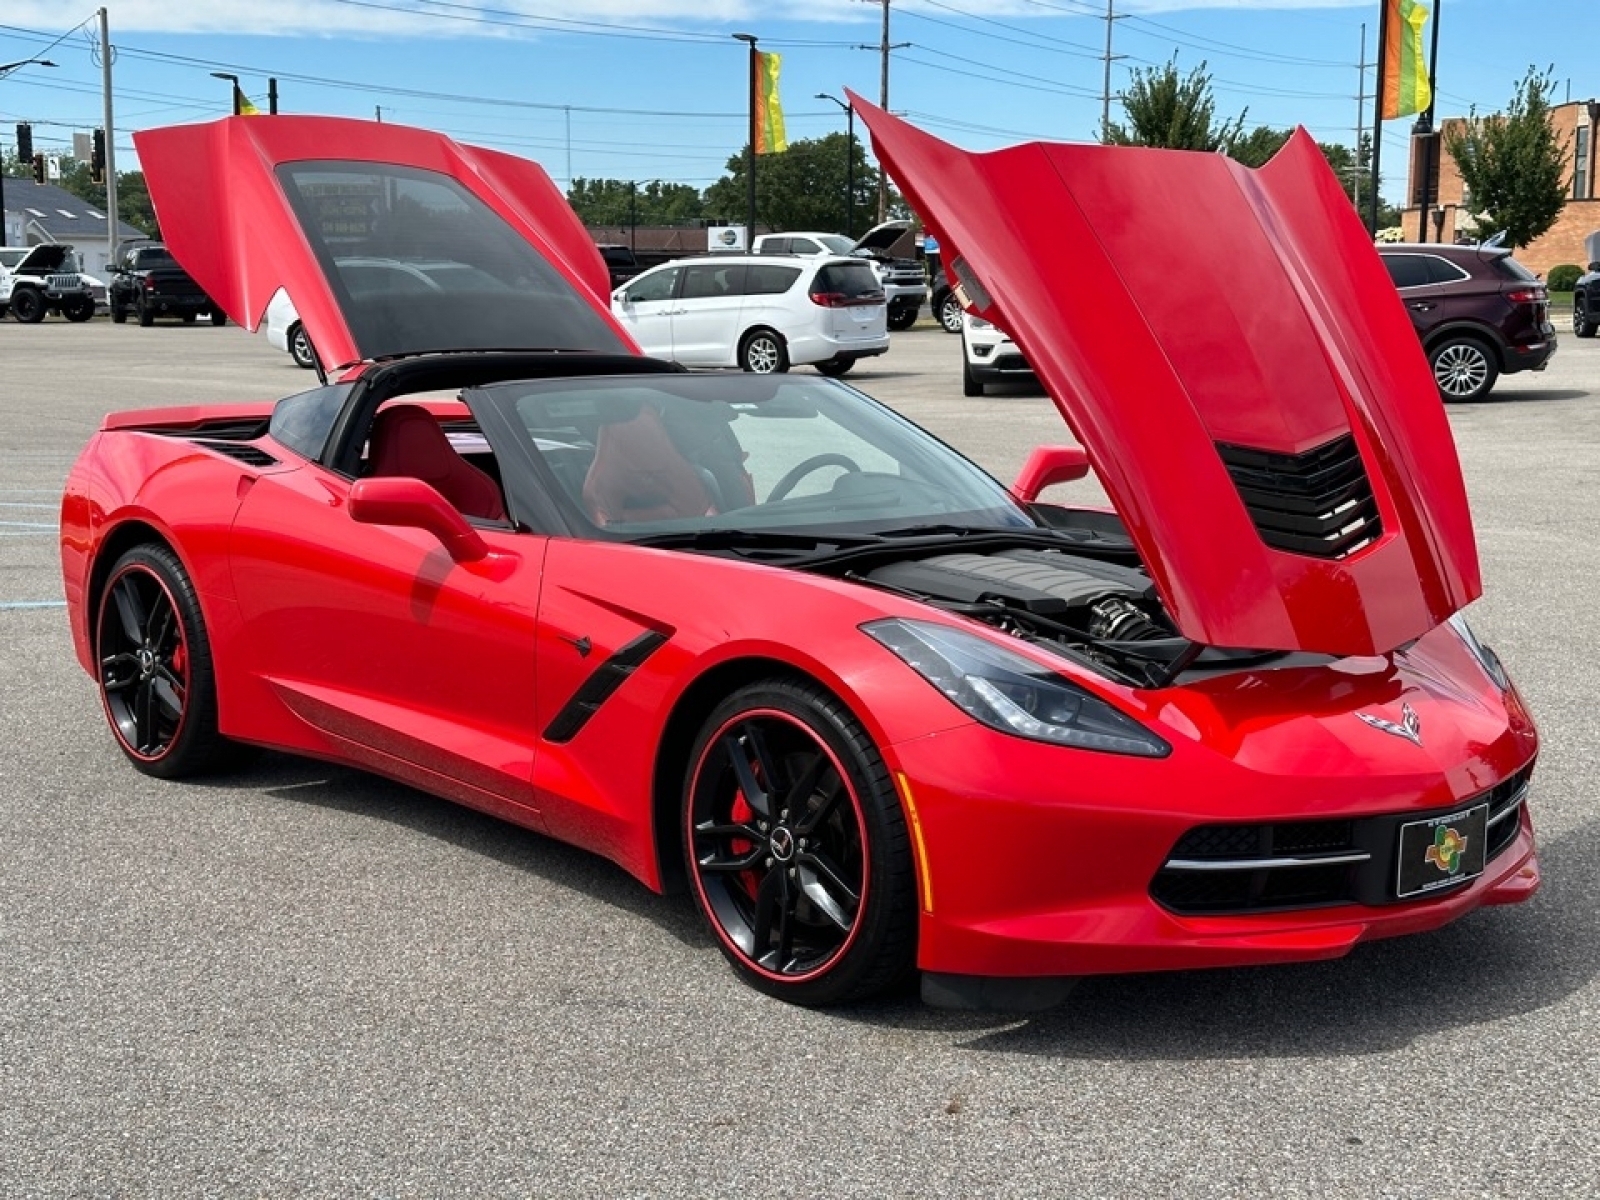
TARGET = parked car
(285,332)
(946,305)
(148,282)
(760,313)
(1586,303)
(1479,312)
(988,355)
(905,282)
(35,280)
(762,638)
(621,262)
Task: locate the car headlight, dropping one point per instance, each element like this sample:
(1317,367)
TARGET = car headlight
(979,322)
(1487,658)
(1013,694)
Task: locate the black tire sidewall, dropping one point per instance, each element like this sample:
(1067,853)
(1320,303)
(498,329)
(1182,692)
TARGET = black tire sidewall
(198,746)
(883,952)
(27,306)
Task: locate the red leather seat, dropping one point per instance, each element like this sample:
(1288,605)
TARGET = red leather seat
(639,475)
(407,441)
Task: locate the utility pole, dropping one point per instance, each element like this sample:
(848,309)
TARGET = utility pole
(1112,17)
(883,103)
(111,141)
(1361,115)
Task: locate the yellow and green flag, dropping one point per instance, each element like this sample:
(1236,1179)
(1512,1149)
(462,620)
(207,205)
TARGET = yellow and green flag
(769,113)
(1406,89)
(242,105)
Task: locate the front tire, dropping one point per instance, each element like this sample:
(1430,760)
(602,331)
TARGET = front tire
(78,309)
(971,385)
(218,318)
(157,684)
(1583,323)
(763,353)
(796,847)
(1463,368)
(119,313)
(27,306)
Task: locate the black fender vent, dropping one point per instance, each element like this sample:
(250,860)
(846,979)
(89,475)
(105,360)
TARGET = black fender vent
(1319,504)
(243,452)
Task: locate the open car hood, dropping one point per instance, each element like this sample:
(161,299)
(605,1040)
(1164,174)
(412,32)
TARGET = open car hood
(882,239)
(388,240)
(42,259)
(1232,354)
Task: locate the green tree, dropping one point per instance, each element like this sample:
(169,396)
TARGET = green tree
(802,188)
(624,202)
(1171,110)
(1514,167)
(133,197)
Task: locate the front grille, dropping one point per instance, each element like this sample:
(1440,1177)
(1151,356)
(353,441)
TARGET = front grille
(1268,867)
(243,452)
(64,283)
(1318,504)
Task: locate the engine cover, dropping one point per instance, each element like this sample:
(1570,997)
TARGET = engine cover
(1044,582)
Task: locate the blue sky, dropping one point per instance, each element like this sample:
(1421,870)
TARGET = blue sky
(656,89)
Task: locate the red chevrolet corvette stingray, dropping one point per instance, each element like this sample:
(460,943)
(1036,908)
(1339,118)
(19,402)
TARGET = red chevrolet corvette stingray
(760,636)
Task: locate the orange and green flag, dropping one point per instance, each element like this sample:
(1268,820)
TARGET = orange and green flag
(1406,89)
(769,113)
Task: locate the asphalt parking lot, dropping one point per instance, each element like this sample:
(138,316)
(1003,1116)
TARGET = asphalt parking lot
(304,981)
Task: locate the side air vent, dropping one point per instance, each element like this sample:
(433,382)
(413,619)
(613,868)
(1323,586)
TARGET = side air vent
(243,452)
(1319,503)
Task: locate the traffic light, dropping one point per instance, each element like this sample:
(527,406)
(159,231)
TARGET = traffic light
(97,163)
(24,142)
(38,168)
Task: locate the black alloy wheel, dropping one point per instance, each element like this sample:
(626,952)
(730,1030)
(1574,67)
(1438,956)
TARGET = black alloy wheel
(78,308)
(797,849)
(27,306)
(156,678)
(1584,323)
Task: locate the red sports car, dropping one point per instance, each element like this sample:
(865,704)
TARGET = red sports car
(761,637)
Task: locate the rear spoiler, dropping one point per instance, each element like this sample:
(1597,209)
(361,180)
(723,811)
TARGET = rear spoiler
(188,416)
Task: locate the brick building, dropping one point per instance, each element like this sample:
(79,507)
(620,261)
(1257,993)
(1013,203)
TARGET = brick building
(1574,238)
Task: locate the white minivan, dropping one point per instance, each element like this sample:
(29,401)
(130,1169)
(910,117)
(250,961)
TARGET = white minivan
(760,313)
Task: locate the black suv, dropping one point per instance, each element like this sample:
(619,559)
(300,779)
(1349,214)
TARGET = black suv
(147,282)
(1479,312)
(1586,303)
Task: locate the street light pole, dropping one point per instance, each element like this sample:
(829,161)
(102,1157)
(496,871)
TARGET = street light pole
(237,91)
(750,156)
(849,162)
(5,70)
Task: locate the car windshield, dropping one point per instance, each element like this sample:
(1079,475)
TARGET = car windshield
(419,264)
(639,457)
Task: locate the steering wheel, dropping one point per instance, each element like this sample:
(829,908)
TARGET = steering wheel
(801,469)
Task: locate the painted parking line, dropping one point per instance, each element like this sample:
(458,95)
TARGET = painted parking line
(26,504)
(32,604)
(28,525)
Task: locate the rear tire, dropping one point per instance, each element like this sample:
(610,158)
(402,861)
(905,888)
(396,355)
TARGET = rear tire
(219,318)
(902,318)
(301,349)
(157,684)
(1583,323)
(763,353)
(142,311)
(949,313)
(835,367)
(27,306)
(796,848)
(1463,368)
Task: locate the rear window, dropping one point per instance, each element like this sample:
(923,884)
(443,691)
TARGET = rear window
(762,280)
(156,256)
(852,280)
(1407,270)
(1441,270)
(1510,268)
(419,264)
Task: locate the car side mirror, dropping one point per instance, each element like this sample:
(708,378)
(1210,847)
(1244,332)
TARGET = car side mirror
(620,297)
(1049,465)
(1594,266)
(411,504)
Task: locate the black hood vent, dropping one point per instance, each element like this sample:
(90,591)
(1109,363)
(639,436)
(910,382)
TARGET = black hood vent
(1319,504)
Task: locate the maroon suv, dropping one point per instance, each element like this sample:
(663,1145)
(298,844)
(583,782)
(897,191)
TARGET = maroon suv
(1479,312)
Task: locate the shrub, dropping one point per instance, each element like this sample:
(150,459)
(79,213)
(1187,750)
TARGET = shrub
(1563,277)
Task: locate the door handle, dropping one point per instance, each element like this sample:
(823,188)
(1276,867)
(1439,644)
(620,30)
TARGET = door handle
(1420,305)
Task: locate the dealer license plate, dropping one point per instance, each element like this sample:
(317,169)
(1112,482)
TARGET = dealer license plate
(1442,852)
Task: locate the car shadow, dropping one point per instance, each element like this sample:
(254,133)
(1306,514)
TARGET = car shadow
(348,790)
(1493,964)
(1502,396)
